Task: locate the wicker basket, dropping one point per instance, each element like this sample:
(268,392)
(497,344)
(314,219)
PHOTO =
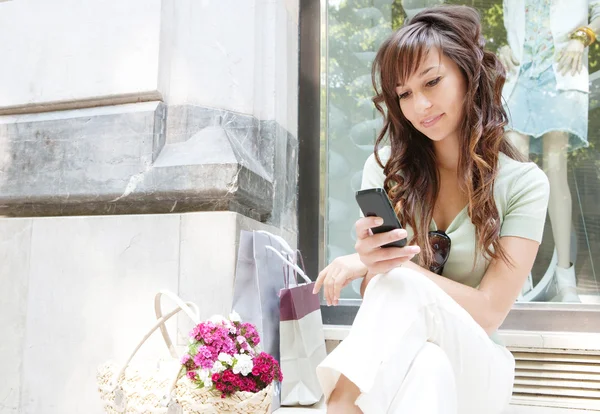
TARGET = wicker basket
(160,387)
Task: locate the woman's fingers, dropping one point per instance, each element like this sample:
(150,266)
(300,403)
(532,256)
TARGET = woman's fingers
(375,241)
(330,286)
(378,240)
(370,249)
(340,282)
(320,280)
(365,224)
(332,279)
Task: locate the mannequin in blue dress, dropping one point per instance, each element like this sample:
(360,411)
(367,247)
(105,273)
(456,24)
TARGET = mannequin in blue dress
(547,101)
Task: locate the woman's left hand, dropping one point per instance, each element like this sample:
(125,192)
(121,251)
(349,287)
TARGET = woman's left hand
(570,59)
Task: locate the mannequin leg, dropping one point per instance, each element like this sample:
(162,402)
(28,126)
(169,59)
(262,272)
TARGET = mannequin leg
(560,210)
(521,143)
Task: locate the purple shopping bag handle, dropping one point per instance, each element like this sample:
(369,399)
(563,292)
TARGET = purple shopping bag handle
(299,254)
(286,269)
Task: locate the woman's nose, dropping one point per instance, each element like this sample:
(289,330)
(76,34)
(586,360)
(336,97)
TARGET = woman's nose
(422,104)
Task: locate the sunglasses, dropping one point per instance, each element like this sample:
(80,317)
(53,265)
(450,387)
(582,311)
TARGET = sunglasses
(440,243)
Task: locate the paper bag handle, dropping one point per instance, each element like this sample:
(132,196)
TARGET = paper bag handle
(284,244)
(289,263)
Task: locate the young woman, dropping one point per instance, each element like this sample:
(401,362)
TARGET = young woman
(423,340)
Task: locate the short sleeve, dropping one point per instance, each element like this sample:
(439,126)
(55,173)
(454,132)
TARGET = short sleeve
(526,206)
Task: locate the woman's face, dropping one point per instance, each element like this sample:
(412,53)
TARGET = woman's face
(432,98)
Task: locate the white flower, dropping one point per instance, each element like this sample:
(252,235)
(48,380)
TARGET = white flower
(218,367)
(206,377)
(234,317)
(243,364)
(242,350)
(218,319)
(226,358)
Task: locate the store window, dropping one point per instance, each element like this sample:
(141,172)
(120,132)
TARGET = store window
(547,122)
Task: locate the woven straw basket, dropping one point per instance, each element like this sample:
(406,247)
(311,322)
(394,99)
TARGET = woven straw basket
(162,387)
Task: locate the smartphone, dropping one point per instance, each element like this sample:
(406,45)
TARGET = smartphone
(375,202)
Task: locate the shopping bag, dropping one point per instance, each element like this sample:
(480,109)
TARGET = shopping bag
(302,340)
(259,277)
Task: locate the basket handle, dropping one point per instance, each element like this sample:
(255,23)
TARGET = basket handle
(160,323)
(194,316)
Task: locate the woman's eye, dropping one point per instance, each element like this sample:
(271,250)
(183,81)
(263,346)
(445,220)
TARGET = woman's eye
(434,82)
(403,95)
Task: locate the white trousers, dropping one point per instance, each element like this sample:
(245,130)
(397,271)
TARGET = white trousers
(413,349)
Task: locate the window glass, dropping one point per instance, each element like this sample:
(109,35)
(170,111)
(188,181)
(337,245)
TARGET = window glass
(548,121)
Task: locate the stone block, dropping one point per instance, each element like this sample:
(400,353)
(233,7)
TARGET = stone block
(91,286)
(78,291)
(15,240)
(99,48)
(143,158)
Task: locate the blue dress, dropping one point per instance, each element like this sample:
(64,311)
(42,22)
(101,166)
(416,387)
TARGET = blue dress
(536,106)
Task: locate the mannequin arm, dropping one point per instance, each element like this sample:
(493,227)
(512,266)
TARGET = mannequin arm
(595,24)
(570,59)
(594,15)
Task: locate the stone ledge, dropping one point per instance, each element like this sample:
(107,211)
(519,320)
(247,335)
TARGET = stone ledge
(145,158)
(583,342)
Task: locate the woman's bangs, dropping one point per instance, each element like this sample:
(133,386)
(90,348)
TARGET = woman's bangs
(411,48)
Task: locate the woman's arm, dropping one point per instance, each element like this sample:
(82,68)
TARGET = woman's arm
(499,288)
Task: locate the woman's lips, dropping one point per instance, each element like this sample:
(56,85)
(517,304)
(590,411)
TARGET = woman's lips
(429,122)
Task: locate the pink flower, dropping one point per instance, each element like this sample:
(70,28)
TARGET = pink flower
(211,338)
(205,357)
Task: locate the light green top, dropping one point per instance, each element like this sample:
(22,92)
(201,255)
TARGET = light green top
(521,191)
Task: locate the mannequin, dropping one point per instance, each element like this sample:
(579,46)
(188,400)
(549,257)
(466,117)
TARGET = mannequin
(546,95)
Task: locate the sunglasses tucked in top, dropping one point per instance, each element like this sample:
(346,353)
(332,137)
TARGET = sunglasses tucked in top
(440,243)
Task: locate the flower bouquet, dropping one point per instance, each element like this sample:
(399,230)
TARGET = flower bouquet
(224,358)
(222,372)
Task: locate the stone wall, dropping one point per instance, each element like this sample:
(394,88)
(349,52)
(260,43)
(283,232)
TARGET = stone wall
(137,139)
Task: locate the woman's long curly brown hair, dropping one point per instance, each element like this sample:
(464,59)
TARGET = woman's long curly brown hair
(412,178)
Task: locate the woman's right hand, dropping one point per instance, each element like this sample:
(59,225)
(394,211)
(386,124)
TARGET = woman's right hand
(378,259)
(370,259)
